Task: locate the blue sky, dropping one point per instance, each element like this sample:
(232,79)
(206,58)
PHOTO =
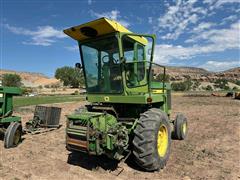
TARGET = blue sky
(199,33)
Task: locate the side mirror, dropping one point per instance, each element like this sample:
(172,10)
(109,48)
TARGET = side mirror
(78,66)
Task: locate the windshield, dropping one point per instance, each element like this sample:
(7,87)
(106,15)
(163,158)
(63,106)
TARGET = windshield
(102,65)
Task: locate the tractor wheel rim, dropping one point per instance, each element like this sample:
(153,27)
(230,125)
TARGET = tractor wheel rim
(184,128)
(16,137)
(162,141)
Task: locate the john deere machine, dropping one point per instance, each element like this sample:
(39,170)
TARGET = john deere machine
(129,103)
(10,126)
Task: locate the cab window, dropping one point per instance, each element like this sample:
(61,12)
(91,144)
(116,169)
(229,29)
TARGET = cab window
(135,71)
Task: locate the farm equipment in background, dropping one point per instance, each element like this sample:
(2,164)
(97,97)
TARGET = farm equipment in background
(233,94)
(44,119)
(129,110)
(10,126)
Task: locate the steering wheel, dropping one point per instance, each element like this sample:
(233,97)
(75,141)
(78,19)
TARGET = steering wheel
(107,56)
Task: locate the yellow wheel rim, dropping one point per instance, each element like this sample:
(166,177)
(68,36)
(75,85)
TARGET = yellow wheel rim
(162,141)
(184,128)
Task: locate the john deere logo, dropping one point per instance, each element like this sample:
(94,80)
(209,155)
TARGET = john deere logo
(106,98)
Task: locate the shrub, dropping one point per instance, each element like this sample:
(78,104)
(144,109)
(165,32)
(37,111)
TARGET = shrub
(76,92)
(178,86)
(196,84)
(237,82)
(208,88)
(13,80)
(27,90)
(182,86)
(222,84)
(56,85)
(235,88)
(160,77)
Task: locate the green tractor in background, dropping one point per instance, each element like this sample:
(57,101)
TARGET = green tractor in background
(129,111)
(10,126)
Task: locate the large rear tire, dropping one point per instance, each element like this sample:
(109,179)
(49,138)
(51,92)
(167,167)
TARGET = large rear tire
(152,140)
(13,135)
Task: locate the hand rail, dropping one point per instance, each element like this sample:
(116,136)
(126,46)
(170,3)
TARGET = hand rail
(164,74)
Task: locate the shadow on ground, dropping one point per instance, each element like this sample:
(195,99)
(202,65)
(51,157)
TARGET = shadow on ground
(95,162)
(131,162)
(92,162)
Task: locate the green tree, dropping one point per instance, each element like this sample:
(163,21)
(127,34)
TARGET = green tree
(208,88)
(182,86)
(188,84)
(222,84)
(70,76)
(235,88)
(47,86)
(160,77)
(178,86)
(13,80)
(27,90)
(237,82)
(196,85)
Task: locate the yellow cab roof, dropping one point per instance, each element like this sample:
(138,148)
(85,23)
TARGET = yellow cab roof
(100,27)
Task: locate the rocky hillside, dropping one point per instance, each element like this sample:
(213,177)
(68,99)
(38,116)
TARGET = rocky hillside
(175,73)
(30,79)
(182,73)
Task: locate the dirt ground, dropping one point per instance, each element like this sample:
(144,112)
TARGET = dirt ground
(211,150)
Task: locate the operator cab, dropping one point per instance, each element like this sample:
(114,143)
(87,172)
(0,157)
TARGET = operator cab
(113,58)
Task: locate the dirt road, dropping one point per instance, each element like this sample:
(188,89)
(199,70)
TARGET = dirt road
(211,150)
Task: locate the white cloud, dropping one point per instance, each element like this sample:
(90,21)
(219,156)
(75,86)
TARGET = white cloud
(89,2)
(219,65)
(178,18)
(229,18)
(150,20)
(44,35)
(218,40)
(222,2)
(114,14)
(166,52)
(209,1)
(203,26)
(215,4)
(72,48)
(181,17)
(181,27)
(221,38)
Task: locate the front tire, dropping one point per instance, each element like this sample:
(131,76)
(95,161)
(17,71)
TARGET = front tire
(152,140)
(180,127)
(13,135)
